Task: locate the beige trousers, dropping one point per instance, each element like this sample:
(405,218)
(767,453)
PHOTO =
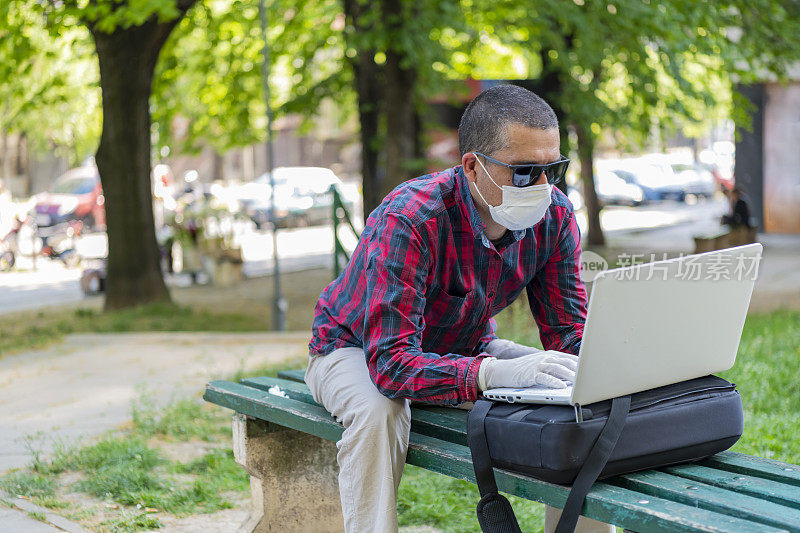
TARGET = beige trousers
(372,450)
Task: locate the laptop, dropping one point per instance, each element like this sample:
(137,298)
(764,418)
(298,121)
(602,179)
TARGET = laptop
(654,324)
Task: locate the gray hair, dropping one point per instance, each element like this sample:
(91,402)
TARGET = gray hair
(483,126)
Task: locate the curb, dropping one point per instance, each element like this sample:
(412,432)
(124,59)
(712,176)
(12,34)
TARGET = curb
(51,518)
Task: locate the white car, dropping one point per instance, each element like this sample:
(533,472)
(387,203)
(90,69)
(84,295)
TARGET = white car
(302,196)
(695,179)
(611,189)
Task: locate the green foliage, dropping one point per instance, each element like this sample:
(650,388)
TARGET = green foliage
(110,15)
(632,65)
(48,82)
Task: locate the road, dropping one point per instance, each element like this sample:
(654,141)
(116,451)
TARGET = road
(51,283)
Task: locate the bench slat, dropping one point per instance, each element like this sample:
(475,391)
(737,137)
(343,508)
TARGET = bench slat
(755,466)
(606,502)
(311,419)
(293,375)
(441,422)
(754,486)
(711,498)
(295,390)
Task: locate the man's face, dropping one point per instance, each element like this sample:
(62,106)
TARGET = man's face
(526,145)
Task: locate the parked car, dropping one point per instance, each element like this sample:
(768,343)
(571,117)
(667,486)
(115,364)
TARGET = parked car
(655,178)
(76,195)
(302,196)
(696,179)
(613,190)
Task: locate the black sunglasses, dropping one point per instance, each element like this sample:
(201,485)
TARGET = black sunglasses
(525,175)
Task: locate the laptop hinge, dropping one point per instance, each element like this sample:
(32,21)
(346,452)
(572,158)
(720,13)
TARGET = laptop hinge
(578,412)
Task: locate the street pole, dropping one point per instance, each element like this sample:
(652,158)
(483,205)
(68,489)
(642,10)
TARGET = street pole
(278,302)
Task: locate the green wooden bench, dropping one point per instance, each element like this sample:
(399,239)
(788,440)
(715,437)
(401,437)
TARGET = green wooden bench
(286,442)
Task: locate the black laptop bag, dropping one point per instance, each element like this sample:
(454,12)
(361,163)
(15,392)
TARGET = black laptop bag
(676,423)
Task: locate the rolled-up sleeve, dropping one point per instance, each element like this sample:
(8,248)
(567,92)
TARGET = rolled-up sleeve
(397,263)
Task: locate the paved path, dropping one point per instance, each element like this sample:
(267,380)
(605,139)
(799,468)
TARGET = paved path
(14,521)
(84,385)
(778,283)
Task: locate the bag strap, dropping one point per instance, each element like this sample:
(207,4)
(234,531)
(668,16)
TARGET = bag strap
(595,462)
(588,474)
(495,514)
(478,445)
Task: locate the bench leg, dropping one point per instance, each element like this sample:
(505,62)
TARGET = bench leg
(293,478)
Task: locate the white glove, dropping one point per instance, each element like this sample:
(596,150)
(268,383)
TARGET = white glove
(505,349)
(547,368)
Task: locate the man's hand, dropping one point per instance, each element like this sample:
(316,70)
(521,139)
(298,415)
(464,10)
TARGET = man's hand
(549,368)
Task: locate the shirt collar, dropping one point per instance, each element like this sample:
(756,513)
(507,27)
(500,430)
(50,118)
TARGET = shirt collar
(478,227)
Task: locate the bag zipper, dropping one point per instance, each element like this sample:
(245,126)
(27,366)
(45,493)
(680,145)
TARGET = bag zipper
(683,394)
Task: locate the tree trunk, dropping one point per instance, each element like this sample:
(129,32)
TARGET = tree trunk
(218,166)
(586,155)
(127,59)
(4,166)
(400,126)
(399,103)
(366,78)
(26,162)
(548,88)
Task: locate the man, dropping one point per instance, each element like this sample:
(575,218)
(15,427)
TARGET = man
(739,215)
(410,319)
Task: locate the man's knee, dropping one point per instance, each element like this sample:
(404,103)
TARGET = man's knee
(382,413)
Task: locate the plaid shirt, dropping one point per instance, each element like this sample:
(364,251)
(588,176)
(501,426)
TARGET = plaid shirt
(424,281)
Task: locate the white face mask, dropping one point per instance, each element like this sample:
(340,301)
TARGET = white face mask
(522,207)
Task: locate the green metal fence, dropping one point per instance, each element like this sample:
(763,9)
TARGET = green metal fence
(340,216)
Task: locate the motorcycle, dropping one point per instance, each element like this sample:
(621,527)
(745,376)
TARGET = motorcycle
(30,240)
(58,242)
(8,246)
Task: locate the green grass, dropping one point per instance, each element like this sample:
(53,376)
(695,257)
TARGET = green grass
(130,521)
(32,484)
(427,498)
(30,330)
(766,376)
(185,419)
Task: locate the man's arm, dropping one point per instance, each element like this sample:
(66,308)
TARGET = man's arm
(398,262)
(557,295)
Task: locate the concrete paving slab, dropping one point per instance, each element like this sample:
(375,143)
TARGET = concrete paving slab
(16,521)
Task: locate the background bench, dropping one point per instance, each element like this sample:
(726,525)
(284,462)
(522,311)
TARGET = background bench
(724,237)
(285,441)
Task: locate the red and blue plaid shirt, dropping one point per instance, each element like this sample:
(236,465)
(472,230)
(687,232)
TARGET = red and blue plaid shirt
(424,281)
